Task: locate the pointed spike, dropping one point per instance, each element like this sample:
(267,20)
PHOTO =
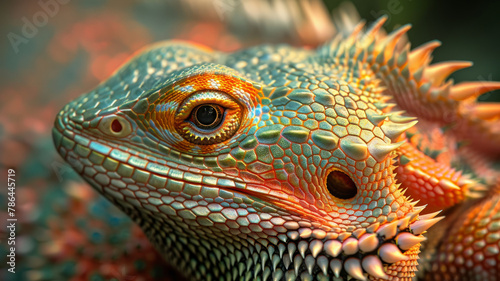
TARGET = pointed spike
(447,184)
(373,266)
(315,247)
(333,247)
(310,262)
(390,253)
(291,249)
(368,242)
(414,203)
(419,209)
(297,262)
(467,90)
(381,150)
(323,264)
(388,230)
(416,211)
(401,118)
(281,249)
(336,266)
(421,55)
(353,268)
(407,240)
(394,130)
(438,72)
(263,259)
(403,223)
(374,117)
(406,188)
(420,226)
(393,39)
(487,111)
(270,251)
(302,248)
(376,26)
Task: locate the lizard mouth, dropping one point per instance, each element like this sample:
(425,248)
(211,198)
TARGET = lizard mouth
(373,251)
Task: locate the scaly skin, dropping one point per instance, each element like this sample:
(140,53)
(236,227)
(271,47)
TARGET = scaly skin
(304,177)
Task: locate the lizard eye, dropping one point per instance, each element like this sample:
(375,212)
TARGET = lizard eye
(208,117)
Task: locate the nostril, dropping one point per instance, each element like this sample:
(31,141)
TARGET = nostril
(116,126)
(341,185)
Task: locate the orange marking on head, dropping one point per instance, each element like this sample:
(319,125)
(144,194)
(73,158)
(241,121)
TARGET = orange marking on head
(242,92)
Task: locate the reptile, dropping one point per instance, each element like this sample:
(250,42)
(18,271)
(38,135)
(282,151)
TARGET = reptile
(285,163)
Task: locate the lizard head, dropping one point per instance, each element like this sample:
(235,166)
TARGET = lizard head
(266,161)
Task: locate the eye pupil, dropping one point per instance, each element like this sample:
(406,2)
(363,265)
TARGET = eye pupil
(116,126)
(207,116)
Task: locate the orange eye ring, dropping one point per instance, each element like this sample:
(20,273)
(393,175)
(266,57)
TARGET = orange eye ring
(208,117)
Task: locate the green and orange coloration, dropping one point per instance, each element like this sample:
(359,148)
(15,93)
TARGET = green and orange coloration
(280,163)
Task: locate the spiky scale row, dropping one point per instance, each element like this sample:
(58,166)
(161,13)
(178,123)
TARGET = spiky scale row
(470,250)
(439,185)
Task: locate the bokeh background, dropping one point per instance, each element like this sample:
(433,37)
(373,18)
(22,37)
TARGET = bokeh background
(54,50)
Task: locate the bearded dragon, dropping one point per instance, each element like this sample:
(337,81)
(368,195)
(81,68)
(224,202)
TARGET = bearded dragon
(284,163)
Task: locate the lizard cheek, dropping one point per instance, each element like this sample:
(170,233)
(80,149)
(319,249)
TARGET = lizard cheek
(115,126)
(341,185)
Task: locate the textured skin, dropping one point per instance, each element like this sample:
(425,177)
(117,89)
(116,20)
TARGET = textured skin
(252,197)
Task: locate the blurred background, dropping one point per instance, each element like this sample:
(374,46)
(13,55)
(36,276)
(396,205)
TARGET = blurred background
(54,50)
